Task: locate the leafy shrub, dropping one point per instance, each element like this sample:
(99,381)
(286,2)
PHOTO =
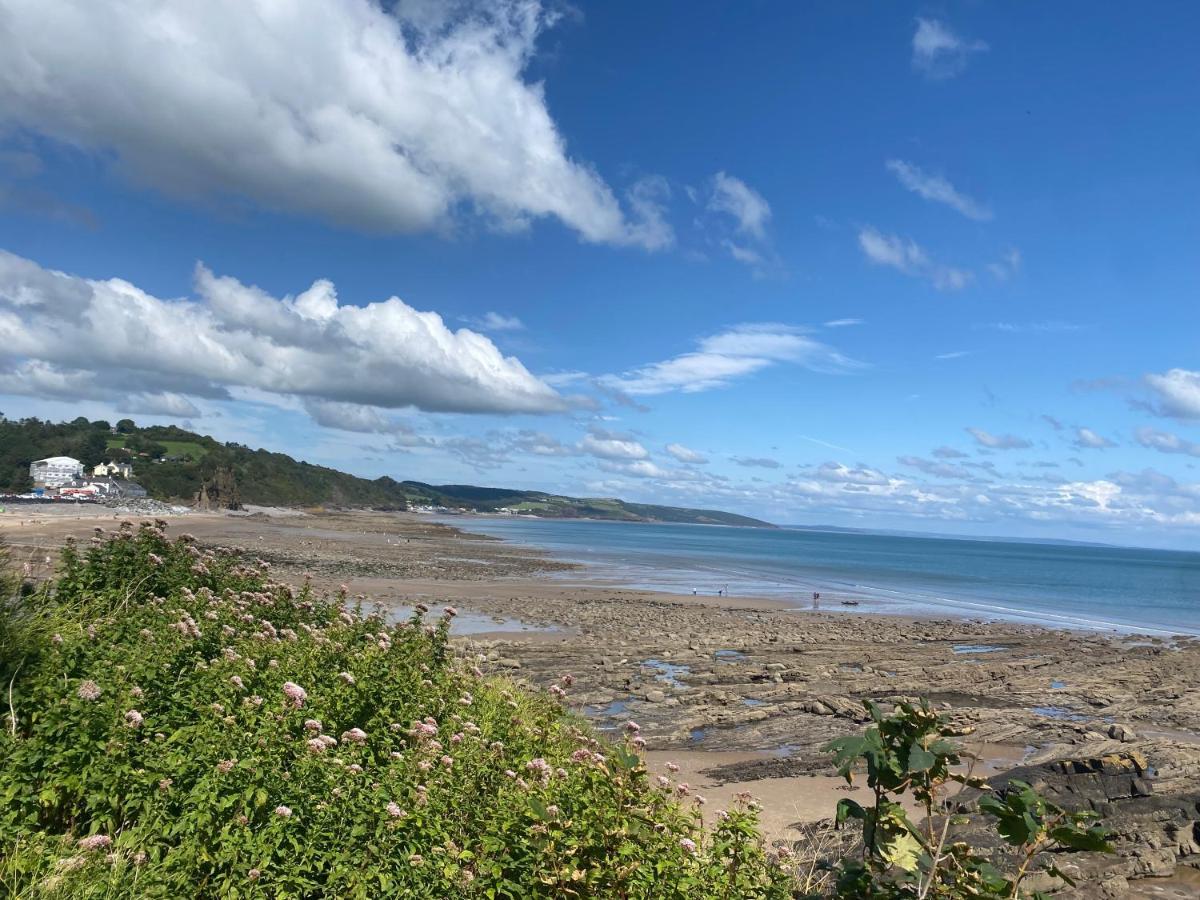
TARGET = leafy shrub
(182,724)
(910,752)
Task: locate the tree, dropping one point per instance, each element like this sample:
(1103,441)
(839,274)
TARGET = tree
(126,426)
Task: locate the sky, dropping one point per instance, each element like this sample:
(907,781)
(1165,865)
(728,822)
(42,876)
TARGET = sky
(920,266)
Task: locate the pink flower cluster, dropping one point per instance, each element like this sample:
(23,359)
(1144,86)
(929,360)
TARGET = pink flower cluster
(95,842)
(296,694)
(134,719)
(88,690)
(356,735)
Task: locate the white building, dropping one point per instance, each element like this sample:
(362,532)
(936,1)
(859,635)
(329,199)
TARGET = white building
(55,471)
(113,470)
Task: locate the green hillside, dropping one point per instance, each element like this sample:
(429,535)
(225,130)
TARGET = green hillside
(173,464)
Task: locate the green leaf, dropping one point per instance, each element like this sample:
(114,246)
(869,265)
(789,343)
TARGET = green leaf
(902,851)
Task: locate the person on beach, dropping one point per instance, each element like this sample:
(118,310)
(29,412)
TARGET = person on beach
(816,600)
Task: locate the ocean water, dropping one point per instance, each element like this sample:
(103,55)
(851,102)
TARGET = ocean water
(1126,589)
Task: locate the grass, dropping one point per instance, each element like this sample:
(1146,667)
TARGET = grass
(182,723)
(193,451)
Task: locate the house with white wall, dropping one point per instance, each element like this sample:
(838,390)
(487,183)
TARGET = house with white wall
(55,471)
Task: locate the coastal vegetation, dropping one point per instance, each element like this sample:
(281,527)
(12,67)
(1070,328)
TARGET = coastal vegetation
(172,463)
(178,720)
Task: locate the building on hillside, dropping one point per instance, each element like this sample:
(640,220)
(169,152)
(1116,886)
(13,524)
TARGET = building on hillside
(113,470)
(130,490)
(55,471)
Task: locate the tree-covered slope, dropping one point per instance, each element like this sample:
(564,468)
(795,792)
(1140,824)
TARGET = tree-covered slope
(173,464)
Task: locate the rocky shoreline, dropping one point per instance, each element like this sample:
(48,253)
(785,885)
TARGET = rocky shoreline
(746,691)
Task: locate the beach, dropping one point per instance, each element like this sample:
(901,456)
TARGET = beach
(742,692)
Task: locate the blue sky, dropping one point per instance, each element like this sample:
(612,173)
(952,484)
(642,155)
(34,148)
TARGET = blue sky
(905,265)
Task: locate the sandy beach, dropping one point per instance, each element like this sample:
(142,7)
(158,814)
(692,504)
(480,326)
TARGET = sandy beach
(742,692)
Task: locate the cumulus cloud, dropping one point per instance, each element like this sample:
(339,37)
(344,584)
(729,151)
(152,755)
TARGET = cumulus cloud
(382,117)
(907,256)
(731,354)
(1166,442)
(937,189)
(686,455)
(641,468)
(1086,439)
(60,329)
(493,321)
(998,441)
(1176,392)
(612,445)
(937,52)
(757,462)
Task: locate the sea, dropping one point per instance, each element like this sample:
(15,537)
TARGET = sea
(1123,589)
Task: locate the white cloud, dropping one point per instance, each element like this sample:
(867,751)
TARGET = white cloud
(612,446)
(686,455)
(937,189)
(1177,392)
(949,453)
(642,468)
(750,211)
(954,354)
(723,357)
(937,52)
(230,335)
(843,323)
(998,441)
(1086,439)
(1166,442)
(907,256)
(379,117)
(494,321)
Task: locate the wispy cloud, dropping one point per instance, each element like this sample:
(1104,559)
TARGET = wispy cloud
(493,321)
(907,256)
(745,214)
(1051,327)
(937,189)
(938,52)
(844,323)
(1166,442)
(954,354)
(748,208)
(757,462)
(998,441)
(732,354)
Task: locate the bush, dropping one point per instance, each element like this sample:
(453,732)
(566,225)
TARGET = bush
(183,724)
(910,752)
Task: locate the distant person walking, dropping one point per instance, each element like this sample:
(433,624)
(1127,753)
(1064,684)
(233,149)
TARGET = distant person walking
(816,600)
